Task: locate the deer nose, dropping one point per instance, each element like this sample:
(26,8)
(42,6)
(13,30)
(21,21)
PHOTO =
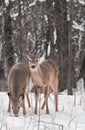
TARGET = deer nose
(33,66)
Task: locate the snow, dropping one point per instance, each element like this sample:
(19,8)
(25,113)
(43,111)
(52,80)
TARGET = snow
(12,0)
(0,49)
(7,2)
(41,0)
(71,115)
(49,48)
(55,36)
(79,27)
(46,18)
(82,2)
(14,15)
(1,14)
(32,4)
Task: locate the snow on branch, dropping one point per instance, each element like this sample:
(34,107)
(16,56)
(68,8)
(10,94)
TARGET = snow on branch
(6,2)
(32,4)
(82,2)
(79,27)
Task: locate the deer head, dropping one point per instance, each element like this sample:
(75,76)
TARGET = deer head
(34,60)
(16,103)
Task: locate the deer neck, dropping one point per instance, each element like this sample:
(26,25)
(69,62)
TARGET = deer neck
(37,77)
(34,71)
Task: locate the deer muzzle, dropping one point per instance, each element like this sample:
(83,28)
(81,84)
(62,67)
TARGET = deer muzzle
(33,66)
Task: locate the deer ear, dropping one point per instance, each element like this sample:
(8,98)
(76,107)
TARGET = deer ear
(21,97)
(40,55)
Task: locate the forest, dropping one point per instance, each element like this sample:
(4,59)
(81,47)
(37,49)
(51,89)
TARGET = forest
(54,27)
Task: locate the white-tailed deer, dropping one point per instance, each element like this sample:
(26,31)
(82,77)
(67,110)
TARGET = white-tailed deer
(44,75)
(18,81)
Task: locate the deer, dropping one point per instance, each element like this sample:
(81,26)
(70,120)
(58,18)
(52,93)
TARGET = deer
(18,84)
(44,75)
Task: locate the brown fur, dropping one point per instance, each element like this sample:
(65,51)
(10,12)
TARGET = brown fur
(44,75)
(18,78)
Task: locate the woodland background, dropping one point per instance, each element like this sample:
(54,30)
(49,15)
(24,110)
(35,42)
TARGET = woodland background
(55,27)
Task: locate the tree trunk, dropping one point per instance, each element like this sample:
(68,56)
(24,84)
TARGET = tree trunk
(70,65)
(62,41)
(20,34)
(50,31)
(8,46)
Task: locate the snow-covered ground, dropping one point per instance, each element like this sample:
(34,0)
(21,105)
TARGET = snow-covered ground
(71,115)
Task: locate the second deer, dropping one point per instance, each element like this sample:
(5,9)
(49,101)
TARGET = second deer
(44,75)
(18,81)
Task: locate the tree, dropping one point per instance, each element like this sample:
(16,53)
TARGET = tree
(62,41)
(51,27)
(8,50)
(70,56)
(44,26)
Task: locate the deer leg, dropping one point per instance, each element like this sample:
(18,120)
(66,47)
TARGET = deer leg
(55,86)
(24,111)
(9,106)
(46,95)
(56,95)
(47,91)
(28,100)
(36,98)
(43,105)
(23,106)
(56,99)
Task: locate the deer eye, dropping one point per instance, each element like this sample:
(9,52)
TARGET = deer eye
(30,61)
(19,107)
(36,60)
